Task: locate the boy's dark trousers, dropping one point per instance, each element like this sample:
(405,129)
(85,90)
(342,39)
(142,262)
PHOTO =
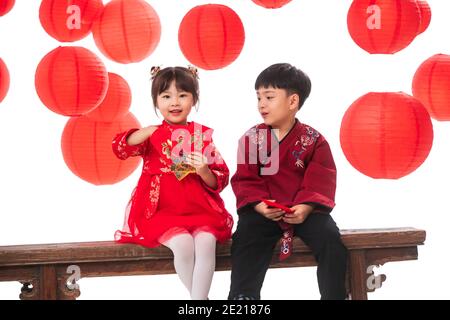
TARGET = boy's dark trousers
(253,246)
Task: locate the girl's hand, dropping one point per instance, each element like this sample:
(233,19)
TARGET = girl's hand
(274,214)
(300,214)
(199,162)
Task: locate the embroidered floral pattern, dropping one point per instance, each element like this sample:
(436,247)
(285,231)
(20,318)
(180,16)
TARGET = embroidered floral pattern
(255,137)
(299,163)
(123,150)
(153,196)
(178,164)
(305,141)
(166,148)
(121,147)
(165,168)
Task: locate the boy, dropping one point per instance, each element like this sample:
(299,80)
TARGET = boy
(289,163)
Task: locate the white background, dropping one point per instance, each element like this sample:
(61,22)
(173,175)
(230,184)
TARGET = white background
(41,201)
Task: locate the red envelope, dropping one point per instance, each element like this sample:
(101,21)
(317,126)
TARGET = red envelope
(174,142)
(277,205)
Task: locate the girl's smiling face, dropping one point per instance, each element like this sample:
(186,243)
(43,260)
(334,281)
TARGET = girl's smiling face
(175,105)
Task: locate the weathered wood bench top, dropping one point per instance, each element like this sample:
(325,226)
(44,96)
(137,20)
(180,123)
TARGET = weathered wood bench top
(45,265)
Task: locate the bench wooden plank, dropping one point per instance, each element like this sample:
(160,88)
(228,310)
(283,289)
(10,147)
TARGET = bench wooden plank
(110,251)
(43,268)
(165,265)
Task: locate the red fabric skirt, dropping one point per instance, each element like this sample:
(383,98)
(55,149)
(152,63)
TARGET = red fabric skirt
(182,207)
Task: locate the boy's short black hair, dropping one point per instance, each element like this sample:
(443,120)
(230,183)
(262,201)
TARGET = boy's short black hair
(288,77)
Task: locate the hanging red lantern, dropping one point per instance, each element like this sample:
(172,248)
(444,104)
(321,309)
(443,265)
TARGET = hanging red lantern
(431,85)
(69,20)
(6,6)
(425,15)
(383,26)
(211,36)
(127,31)
(86,148)
(4,80)
(386,135)
(71,81)
(116,103)
(271,4)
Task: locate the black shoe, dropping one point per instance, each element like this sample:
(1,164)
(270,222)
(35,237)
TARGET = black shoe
(243,297)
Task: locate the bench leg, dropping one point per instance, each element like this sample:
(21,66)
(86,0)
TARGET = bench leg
(66,292)
(358,275)
(48,283)
(43,287)
(29,290)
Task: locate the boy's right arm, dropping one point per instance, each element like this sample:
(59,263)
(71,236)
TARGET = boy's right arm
(248,186)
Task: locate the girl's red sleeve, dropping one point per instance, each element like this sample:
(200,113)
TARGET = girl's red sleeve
(220,170)
(123,150)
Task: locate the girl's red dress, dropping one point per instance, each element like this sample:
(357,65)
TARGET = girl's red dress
(161,201)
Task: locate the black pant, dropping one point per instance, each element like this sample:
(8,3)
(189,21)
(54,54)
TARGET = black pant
(253,246)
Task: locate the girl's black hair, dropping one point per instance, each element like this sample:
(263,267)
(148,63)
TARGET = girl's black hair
(185,80)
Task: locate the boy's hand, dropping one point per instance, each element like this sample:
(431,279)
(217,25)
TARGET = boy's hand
(274,214)
(301,212)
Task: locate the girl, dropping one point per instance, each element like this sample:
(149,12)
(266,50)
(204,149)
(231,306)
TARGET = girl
(176,202)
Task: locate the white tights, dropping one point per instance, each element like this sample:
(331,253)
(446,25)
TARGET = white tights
(194,261)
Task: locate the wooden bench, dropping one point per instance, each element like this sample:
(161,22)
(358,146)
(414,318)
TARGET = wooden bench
(44,269)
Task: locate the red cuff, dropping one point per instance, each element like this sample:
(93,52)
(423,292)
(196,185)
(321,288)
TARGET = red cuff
(221,184)
(122,149)
(305,196)
(251,200)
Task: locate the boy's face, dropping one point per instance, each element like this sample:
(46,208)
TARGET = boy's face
(276,106)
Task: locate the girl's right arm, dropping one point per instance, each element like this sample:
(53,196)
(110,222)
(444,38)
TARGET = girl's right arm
(132,143)
(140,135)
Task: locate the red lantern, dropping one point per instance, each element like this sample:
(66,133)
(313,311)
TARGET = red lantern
(425,15)
(383,26)
(386,135)
(211,36)
(86,148)
(127,31)
(4,80)
(6,6)
(271,4)
(431,85)
(116,103)
(71,81)
(69,20)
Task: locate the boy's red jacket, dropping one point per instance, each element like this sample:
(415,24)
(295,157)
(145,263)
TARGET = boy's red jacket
(298,169)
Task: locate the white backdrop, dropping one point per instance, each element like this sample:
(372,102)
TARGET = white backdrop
(41,201)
